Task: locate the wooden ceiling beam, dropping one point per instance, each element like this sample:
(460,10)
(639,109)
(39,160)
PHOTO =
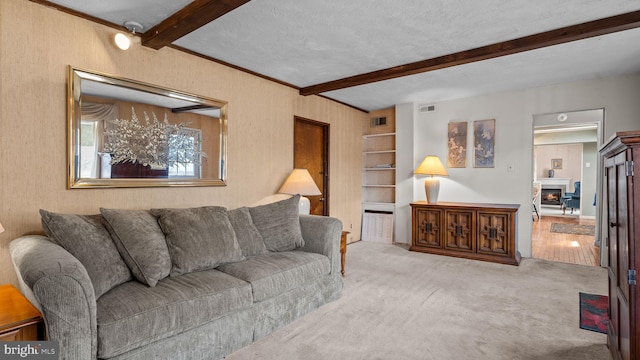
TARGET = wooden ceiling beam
(186,20)
(549,38)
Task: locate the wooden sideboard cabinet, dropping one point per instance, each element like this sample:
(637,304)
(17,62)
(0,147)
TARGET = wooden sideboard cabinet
(474,231)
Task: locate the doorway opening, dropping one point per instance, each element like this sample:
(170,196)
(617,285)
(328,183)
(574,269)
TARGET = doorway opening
(567,178)
(311,152)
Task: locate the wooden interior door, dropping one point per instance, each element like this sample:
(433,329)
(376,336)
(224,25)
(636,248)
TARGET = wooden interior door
(619,328)
(311,152)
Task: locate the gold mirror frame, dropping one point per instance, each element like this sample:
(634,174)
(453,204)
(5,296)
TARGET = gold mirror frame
(91,170)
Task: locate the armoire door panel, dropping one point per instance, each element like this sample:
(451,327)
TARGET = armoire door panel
(622,226)
(611,177)
(613,323)
(623,211)
(624,341)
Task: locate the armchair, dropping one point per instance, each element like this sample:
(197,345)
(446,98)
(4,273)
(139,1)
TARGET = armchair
(571,200)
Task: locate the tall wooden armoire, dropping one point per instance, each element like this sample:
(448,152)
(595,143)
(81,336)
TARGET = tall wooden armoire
(621,163)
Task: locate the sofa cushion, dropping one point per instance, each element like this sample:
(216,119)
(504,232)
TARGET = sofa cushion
(274,273)
(279,224)
(249,238)
(133,315)
(85,237)
(141,243)
(198,238)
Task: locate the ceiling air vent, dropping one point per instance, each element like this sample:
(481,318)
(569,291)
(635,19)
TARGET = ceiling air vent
(378,121)
(426,108)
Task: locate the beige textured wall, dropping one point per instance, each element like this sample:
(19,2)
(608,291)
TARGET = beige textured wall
(37,46)
(571,155)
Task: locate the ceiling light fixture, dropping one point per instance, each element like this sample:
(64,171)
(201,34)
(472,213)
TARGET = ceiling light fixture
(123,42)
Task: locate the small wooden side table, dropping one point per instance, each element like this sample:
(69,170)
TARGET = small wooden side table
(19,319)
(343,250)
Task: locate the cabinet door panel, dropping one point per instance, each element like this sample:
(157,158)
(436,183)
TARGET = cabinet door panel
(619,331)
(459,233)
(621,168)
(493,233)
(428,228)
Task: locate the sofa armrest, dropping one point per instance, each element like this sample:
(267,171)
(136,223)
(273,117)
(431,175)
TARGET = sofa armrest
(58,284)
(322,235)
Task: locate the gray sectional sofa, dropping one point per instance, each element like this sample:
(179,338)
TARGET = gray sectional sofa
(194,283)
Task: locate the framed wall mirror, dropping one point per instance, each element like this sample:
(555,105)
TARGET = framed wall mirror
(126,133)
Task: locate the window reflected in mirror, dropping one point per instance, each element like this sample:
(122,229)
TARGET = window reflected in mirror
(125,133)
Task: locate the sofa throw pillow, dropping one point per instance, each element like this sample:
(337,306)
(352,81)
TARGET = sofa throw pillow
(86,238)
(247,234)
(279,224)
(141,243)
(198,238)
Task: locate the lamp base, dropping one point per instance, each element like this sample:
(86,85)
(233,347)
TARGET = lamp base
(431,189)
(305,206)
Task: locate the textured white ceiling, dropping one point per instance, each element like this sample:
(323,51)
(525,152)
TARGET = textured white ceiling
(608,55)
(306,42)
(146,12)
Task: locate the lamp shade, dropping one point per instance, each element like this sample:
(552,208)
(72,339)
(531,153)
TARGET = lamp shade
(300,182)
(1,228)
(431,165)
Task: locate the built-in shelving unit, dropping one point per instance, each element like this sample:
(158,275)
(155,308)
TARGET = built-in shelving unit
(378,171)
(379,176)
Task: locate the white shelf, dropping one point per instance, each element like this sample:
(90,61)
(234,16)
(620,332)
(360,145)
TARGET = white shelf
(378,135)
(378,168)
(379,152)
(378,189)
(373,203)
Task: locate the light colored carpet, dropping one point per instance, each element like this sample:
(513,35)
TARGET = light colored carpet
(399,304)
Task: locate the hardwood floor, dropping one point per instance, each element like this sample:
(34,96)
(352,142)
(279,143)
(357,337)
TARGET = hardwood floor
(567,248)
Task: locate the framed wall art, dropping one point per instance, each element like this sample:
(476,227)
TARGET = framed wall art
(556,164)
(484,143)
(457,144)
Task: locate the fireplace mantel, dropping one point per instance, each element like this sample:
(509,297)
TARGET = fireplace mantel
(558,183)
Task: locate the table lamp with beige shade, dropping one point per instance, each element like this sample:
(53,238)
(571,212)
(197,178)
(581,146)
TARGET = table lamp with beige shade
(431,165)
(1,228)
(300,182)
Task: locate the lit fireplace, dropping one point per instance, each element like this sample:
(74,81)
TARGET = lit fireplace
(551,197)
